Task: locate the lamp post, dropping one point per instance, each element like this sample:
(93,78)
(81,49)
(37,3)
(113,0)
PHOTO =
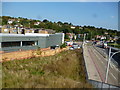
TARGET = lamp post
(84,39)
(110,57)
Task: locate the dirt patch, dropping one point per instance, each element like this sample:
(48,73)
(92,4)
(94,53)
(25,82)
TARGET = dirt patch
(29,54)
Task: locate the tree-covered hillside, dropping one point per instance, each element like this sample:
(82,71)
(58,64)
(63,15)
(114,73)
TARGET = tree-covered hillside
(59,26)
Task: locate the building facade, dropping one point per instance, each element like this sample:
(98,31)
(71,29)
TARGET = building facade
(28,41)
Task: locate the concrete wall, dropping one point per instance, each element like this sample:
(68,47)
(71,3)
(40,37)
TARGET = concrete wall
(55,39)
(43,41)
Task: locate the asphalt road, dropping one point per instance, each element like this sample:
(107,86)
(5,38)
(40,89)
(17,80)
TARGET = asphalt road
(100,62)
(116,57)
(99,58)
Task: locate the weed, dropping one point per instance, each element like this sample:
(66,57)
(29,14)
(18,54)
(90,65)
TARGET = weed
(63,70)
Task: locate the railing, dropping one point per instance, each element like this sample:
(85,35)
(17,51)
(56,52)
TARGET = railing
(115,48)
(102,85)
(105,55)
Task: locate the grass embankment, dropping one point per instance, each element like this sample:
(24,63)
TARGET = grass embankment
(63,70)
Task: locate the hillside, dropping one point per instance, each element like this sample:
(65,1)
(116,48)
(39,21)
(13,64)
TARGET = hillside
(63,70)
(59,26)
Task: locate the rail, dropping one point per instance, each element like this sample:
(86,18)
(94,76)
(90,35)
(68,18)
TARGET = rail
(105,55)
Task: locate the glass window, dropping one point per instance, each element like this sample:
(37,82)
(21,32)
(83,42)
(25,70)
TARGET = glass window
(10,44)
(29,43)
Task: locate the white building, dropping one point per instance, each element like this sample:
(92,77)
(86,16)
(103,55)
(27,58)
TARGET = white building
(10,21)
(72,27)
(37,23)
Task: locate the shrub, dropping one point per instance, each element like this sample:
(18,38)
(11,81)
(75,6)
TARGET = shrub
(38,48)
(63,70)
(63,45)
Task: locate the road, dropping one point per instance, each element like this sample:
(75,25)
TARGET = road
(99,61)
(115,58)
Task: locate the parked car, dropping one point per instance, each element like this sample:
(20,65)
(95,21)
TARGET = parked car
(68,43)
(87,41)
(105,45)
(71,48)
(75,46)
(54,47)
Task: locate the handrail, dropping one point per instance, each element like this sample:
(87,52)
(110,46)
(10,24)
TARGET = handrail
(114,54)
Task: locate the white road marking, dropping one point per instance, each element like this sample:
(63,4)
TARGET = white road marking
(102,61)
(117,70)
(111,65)
(98,57)
(113,76)
(114,67)
(99,54)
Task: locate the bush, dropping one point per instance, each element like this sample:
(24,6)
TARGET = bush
(38,48)
(63,45)
(63,70)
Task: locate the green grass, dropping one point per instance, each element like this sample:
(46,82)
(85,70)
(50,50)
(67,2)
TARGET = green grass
(63,70)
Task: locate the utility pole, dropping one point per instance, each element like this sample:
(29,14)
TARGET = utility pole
(110,57)
(84,39)
(106,77)
(115,39)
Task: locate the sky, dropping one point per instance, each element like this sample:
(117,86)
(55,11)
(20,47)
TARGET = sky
(60,0)
(98,14)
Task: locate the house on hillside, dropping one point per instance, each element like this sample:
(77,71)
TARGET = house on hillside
(10,21)
(36,23)
(72,27)
(101,37)
(50,31)
(71,35)
(6,29)
(40,31)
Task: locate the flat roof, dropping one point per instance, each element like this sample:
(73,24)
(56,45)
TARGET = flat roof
(26,34)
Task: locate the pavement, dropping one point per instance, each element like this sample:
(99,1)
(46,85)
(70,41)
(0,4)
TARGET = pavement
(96,64)
(91,70)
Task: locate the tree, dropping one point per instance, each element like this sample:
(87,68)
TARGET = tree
(118,41)
(67,36)
(5,20)
(42,25)
(59,22)
(45,21)
(60,26)
(14,23)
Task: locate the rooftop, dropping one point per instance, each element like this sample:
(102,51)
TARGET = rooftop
(26,34)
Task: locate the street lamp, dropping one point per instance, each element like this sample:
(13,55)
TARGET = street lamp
(84,39)
(110,57)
